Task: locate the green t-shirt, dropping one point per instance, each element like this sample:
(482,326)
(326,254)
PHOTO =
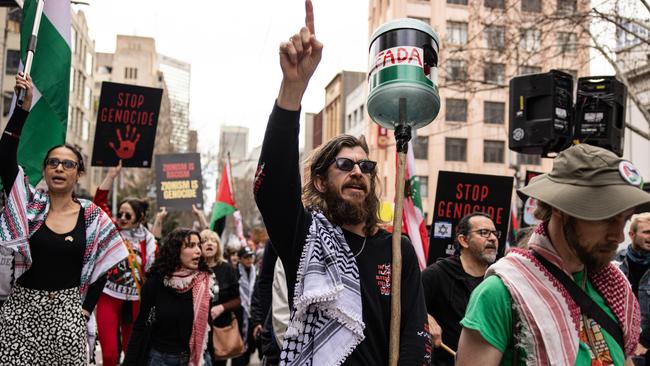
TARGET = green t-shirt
(489,312)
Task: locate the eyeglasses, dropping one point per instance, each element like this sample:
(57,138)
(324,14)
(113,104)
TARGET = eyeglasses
(346,165)
(486,233)
(67,164)
(127,216)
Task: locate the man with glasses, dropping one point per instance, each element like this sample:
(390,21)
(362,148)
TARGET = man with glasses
(561,301)
(449,282)
(336,258)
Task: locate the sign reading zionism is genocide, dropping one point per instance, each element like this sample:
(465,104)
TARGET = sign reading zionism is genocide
(178,181)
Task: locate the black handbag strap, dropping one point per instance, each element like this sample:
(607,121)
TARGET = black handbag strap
(587,305)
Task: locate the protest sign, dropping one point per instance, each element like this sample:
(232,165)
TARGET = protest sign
(528,209)
(127,119)
(178,181)
(459,194)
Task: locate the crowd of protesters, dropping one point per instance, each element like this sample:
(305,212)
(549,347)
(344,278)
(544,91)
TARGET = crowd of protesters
(316,289)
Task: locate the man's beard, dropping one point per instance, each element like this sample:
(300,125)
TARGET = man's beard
(484,257)
(587,256)
(342,212)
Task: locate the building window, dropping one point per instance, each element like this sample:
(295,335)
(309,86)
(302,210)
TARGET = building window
(13,62)
(87,97)
(424,185)
(421,147)
(566,6)
(85,130)
(495,37)
(422,19)
(455,70)
(457,2)
(455,149)
(493,151)
(495,4)
(494,112)
(567,42)
(494,73)
(525,69)
(456,110)
(528,159)
(130,73)
(534,6)
(456,33)
(73,40)
(530,39)
(6,104)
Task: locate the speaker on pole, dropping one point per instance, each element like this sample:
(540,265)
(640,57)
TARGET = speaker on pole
(600,112)
(541,112)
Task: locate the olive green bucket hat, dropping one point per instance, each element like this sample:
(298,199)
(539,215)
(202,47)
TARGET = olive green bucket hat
(589,183)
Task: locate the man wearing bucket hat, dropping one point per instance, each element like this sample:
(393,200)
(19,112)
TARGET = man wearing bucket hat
(337,261)
(561,301)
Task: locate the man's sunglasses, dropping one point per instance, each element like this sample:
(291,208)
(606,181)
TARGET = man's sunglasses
(346,165)
(67,164)
(127,216)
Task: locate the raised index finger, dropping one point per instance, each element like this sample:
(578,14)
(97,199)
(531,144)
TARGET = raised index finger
(309,16)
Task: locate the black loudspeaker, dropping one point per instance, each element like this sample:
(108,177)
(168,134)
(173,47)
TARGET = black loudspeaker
(541,112)
(600,112)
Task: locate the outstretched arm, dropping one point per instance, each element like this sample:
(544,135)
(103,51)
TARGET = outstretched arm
(101,195)
(11,135)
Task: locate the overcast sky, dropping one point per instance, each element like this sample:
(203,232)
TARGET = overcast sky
(232,47)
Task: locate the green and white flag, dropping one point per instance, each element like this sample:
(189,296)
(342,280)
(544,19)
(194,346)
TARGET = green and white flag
(46,125)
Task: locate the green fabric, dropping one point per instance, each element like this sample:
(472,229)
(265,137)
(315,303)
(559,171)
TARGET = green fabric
(219,210)
(489,312)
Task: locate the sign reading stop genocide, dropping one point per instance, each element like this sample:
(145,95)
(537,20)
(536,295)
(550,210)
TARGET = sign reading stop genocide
(459,194)
(127,119)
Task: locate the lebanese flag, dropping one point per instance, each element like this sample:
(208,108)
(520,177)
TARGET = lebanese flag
(412,213)
(225,203)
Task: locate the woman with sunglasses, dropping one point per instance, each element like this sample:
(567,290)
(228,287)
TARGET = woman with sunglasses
(172,325)
(118,304)
(63,247)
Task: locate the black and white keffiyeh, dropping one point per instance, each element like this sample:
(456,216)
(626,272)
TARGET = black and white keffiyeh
(246,285)
(326,323)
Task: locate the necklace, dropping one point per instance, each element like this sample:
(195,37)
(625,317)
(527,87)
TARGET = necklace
(362,246)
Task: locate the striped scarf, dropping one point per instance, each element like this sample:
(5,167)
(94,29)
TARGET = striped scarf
(246,283)
(549,319)
(26,210)
(326,322)
(200,283)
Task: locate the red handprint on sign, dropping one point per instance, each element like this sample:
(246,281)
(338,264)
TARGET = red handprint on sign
(126,147)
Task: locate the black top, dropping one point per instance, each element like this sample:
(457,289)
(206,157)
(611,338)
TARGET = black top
(51,252)
(636,272)
(227,279)
(263,292)
(447,288)
(174,317)
(277,192)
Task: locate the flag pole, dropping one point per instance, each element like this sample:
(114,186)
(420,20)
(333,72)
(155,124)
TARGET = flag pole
(31,49)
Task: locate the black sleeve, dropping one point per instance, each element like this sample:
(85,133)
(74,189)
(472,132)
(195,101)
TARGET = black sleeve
(94,291)
(138,341)
(9,148)
(263,293)
(429,282)
(415,341)
(277,190)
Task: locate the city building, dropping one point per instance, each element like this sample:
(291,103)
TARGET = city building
(177,78)
(484,43)
(336,92)
(233,140)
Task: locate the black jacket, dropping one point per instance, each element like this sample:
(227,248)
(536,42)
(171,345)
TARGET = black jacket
(447,288)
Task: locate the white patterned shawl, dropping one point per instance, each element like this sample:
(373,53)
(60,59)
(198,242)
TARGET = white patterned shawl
(327,321)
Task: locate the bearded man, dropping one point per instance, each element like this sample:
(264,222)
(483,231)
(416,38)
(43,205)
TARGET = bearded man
(561,301)
(337,260)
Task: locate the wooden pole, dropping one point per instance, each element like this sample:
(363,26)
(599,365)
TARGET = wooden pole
(402,136)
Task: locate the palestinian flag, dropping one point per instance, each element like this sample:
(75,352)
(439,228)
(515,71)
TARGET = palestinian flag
(412,213)
(46,125)
(225,203)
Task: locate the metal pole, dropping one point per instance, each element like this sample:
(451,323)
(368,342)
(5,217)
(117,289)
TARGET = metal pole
(402,137)
(31,48)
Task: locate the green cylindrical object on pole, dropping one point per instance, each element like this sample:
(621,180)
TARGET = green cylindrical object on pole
(403,64)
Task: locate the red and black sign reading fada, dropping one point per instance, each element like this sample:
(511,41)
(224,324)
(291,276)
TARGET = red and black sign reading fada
(459,194)
(178,181)
(127,119)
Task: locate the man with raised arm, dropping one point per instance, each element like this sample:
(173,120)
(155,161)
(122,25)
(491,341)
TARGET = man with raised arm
(337,260)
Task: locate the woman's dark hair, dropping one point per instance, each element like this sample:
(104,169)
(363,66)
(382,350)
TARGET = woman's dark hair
(80,160)
(169,255)
(140,208)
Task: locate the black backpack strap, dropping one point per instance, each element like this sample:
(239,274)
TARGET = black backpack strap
(587,305)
